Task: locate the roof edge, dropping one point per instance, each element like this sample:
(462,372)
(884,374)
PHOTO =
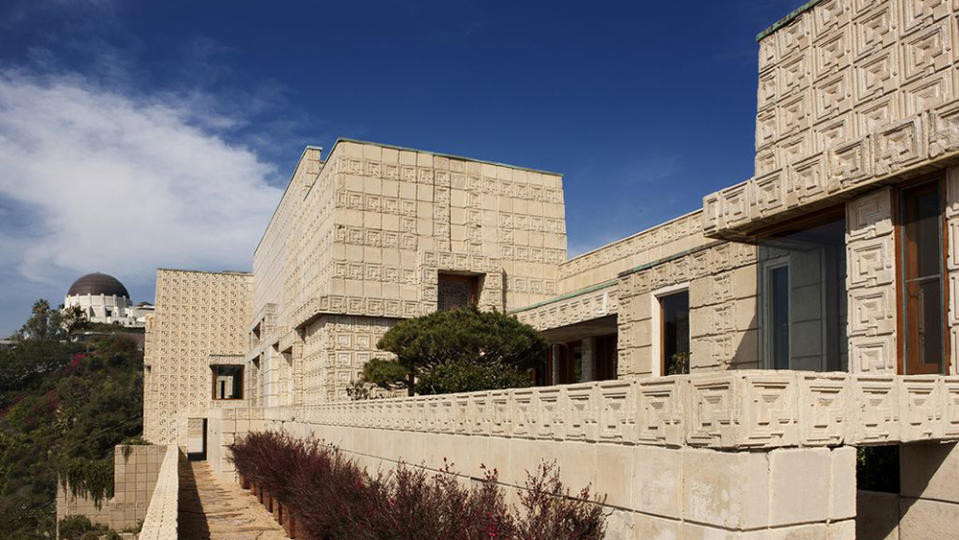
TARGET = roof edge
(787,19)
(441,154)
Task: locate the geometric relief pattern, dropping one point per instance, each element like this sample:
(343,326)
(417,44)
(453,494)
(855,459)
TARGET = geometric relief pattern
(870,283)
(734,410)
(198,315)
(872,85)
(583,307)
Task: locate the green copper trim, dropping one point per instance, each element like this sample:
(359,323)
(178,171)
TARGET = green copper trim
(787,19)
(573,294)
(679,255)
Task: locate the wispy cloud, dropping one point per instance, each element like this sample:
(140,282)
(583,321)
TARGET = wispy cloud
(121,183)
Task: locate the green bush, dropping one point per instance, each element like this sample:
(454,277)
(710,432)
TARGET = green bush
(456,351)
(80,528)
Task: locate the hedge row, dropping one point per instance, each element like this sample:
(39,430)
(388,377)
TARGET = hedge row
(326,496)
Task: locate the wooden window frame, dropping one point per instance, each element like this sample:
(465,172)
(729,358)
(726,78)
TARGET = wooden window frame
(900,269)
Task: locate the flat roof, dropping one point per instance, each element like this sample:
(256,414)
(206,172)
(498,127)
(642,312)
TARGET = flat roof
(787,19)
(393,147)
(441,154)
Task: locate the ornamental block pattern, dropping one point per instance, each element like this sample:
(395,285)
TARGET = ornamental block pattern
(870,283)
(850,93)
(198,315)
(735,410)
(721,282)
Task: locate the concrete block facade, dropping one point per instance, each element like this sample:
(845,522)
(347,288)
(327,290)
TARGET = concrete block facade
(800,310)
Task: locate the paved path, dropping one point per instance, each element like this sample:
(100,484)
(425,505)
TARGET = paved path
(217,510)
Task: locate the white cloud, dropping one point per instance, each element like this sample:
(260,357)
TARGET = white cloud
(123,184)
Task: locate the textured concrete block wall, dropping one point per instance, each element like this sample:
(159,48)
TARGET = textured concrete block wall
(135,472)
(870,283)
(721,281)
(850,94)
(198,315)
(664,240)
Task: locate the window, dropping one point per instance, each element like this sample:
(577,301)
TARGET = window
(921,281)
(227,381)
(777,283)
(605,356)
(674,332)
(457,290)
(802,294)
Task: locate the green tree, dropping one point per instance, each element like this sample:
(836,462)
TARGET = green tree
(62,410)
(457,350)
(46,323)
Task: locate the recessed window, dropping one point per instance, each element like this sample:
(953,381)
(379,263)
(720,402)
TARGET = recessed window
(921,282)
(802,293)
(227,382)
(457,290)
(674,321)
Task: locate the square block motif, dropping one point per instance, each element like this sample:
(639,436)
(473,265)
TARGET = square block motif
(834,131)
(831,52)
(850,163)
(870,262)
(877,113)
(793,37)
(927,50)
(926,93)
(874,29)
(899,146)
(944,130)
(916,13)
(876,75)
(793,74)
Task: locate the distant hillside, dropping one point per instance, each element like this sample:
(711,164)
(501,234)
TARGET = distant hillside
(63,407)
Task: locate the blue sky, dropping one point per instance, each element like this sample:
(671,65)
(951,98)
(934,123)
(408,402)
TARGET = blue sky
(135,135)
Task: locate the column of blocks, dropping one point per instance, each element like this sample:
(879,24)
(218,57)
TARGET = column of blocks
(870,283)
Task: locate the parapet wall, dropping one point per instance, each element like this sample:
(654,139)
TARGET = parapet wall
(161,519)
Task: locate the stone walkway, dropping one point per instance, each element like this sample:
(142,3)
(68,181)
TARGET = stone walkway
(216,510)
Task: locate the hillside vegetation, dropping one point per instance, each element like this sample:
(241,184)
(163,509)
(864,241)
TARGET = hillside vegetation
(63,407)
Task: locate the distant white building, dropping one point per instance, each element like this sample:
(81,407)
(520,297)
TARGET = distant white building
(105,300)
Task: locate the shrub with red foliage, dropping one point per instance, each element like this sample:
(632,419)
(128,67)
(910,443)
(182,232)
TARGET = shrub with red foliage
(332,498)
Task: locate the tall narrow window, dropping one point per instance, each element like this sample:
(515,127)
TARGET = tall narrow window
(675,333)
(778,283)
(922,276)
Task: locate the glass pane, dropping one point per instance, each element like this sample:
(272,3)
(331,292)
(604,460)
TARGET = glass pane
(779,315)
(803,296)
(675,314)
(577,363)
(924,343)
(929,322)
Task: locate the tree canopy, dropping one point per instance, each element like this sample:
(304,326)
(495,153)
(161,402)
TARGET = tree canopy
(458,350)
(63,407)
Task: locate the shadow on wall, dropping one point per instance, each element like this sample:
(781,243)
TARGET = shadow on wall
(928,472)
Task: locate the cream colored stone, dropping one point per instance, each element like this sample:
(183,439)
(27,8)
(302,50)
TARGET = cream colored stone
(795,474)
(726,489)
(923,518)
(658,481)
